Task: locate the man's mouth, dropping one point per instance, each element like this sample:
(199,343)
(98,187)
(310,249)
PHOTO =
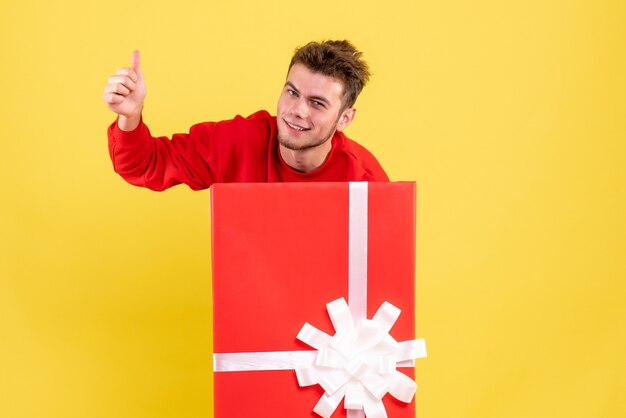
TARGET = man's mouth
(296,127)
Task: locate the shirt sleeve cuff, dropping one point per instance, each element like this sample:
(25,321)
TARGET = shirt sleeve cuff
(128,137)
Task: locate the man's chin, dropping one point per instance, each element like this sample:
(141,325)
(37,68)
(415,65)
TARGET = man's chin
(301,142)
(292,145)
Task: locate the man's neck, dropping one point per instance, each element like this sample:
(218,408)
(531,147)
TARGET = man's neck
(306,160)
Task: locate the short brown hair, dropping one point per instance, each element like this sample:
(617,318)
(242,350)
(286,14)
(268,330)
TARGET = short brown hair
(338,59)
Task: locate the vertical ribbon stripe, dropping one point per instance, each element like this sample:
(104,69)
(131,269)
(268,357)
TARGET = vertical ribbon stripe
(357,260)
(357,250)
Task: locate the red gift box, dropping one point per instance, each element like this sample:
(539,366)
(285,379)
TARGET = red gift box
(281,252)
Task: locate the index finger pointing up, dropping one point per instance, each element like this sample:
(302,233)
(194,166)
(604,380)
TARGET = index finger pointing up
(134,61)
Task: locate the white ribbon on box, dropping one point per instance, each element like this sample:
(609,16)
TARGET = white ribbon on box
(357,364)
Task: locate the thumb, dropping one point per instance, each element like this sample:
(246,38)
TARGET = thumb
(135,62)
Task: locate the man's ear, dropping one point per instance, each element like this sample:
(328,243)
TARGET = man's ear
(346,118)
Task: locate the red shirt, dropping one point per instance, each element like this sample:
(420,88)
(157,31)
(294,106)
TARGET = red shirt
(237,150)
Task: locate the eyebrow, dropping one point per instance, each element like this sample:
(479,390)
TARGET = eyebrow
(318,98)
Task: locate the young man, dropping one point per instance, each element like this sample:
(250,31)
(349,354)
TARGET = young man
(303,142)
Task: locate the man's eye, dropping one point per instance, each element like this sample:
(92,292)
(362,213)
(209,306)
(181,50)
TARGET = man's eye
(292,92)
(318,104)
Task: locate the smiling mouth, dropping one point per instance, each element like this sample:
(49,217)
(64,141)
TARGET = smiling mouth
(296,127)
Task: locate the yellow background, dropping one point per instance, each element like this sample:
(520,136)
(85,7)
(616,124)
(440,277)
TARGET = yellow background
(509,115)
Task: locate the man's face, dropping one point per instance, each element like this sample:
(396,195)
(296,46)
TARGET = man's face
(310,109)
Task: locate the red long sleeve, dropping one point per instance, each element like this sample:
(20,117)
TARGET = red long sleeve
(237,150)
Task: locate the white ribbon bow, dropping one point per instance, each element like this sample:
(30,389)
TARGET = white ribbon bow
(359,362)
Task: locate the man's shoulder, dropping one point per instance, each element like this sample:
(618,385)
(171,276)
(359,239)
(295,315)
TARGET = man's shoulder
(260,127)
(261,118)
(362,160)
(356,150)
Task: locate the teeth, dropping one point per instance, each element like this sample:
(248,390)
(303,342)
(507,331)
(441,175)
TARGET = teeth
(297,128)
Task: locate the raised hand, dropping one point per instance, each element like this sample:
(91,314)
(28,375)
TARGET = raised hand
(125,92)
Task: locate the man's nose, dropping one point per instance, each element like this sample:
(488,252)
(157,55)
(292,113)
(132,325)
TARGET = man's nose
(299,108)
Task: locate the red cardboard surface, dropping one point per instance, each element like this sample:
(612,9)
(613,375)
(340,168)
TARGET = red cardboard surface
(280,254)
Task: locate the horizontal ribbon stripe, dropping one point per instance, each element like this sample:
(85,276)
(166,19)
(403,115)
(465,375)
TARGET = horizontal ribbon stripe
(270,360)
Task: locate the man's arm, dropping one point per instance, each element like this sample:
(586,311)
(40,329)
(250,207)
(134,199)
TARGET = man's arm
(227,151)
(140,158)
(125,92)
